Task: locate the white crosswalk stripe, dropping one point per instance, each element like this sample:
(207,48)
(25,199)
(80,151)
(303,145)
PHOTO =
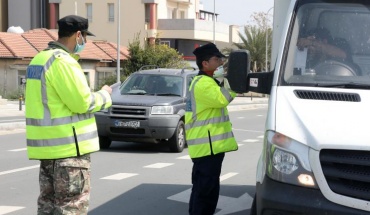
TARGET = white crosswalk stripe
(9,209)
(18,150)
(120,176)
(19,169)
(159,165)
(250,141)
(186,157)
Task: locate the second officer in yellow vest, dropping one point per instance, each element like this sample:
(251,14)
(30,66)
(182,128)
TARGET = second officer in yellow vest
(208,130)
(60,123)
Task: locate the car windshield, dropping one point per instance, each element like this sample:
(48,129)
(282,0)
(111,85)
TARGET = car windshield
(326,49)
(153,84)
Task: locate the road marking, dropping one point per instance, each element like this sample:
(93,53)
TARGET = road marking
(238,129)
(19,169)
(9,209)
(250,141)
(11,120)
(260,115)
(241,117)
(186,157)
(228,175)
(228,205)
(158,165)
(18,150)
(120,176)
(261,137)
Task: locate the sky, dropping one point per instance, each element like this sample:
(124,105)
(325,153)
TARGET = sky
(237,12)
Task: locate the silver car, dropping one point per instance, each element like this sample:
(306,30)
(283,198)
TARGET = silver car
(148,107)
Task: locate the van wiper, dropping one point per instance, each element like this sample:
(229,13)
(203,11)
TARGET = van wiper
(346,85)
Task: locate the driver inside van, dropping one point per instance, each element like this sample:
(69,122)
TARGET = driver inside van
(321,46)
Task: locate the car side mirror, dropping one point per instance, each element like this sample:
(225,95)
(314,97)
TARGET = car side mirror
(240,78)
(238,69)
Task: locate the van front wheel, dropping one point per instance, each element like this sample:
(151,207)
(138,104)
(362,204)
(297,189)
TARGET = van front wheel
(177,141)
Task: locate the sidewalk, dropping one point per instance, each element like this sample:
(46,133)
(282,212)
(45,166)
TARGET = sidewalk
(11,109)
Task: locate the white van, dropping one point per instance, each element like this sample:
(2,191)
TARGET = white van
(316,152)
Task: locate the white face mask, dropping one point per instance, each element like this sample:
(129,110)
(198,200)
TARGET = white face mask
(219,73)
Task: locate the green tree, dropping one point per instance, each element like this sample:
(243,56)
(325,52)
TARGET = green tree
(254,40)
(160,55)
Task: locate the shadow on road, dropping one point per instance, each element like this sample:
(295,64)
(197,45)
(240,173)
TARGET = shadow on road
(166,199)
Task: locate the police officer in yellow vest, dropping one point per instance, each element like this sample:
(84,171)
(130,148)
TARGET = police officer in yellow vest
(208,130)
(60,124)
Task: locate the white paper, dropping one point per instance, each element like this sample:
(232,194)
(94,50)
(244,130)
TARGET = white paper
(300,59)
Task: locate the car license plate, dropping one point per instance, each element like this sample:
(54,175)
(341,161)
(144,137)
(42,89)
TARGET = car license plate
(130,124)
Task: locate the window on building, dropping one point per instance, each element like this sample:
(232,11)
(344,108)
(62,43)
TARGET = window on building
(169,13)
(174,14)
(165,42)
(102,76)
(110,12)
(182,14)
(147,13)
(89,11)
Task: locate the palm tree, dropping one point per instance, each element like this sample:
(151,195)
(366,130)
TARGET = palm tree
(255,42)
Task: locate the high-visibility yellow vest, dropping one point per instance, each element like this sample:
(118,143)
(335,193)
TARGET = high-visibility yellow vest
(207,123)
(60,107)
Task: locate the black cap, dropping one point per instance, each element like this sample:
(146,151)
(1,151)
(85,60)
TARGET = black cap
(74,23)
(209,49)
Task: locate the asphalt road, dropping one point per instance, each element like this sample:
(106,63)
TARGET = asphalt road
(132,178)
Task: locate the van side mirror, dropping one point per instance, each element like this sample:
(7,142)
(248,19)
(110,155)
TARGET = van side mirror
(238,70)
(240,78)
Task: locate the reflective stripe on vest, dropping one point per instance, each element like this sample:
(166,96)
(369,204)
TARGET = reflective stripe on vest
(203,140)
(61,141)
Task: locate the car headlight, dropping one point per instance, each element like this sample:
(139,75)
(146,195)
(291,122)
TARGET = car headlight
(287,160)
(162,110)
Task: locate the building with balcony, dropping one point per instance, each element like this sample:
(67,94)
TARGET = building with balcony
(181,24)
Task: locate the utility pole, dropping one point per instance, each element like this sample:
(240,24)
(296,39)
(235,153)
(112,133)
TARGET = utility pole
(118,41)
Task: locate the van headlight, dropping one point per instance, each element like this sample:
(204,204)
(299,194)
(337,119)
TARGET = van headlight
(287,160)
(162,110)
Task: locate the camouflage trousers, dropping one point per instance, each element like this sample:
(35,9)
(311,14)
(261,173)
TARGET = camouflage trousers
(64,186)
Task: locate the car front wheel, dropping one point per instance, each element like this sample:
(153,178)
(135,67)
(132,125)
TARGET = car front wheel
(177,141)
(104,142)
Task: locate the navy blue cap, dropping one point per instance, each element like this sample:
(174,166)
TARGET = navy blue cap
(209,49)
(73,23)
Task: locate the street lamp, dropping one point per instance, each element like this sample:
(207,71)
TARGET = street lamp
(267,36)
(214,21)
(118,40)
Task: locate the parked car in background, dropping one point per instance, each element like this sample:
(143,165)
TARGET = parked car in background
(148,107)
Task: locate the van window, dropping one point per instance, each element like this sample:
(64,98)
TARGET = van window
(326,49)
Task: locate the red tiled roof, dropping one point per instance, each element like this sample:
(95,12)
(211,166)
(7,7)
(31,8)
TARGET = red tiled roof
(17,45)
(91,51)
(111,49)
(39,38)
(29,43)
(4,52)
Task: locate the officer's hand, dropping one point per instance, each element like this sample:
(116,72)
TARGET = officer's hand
(107,88)
(227,85)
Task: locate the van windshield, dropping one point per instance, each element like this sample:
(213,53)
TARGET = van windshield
(329,46)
